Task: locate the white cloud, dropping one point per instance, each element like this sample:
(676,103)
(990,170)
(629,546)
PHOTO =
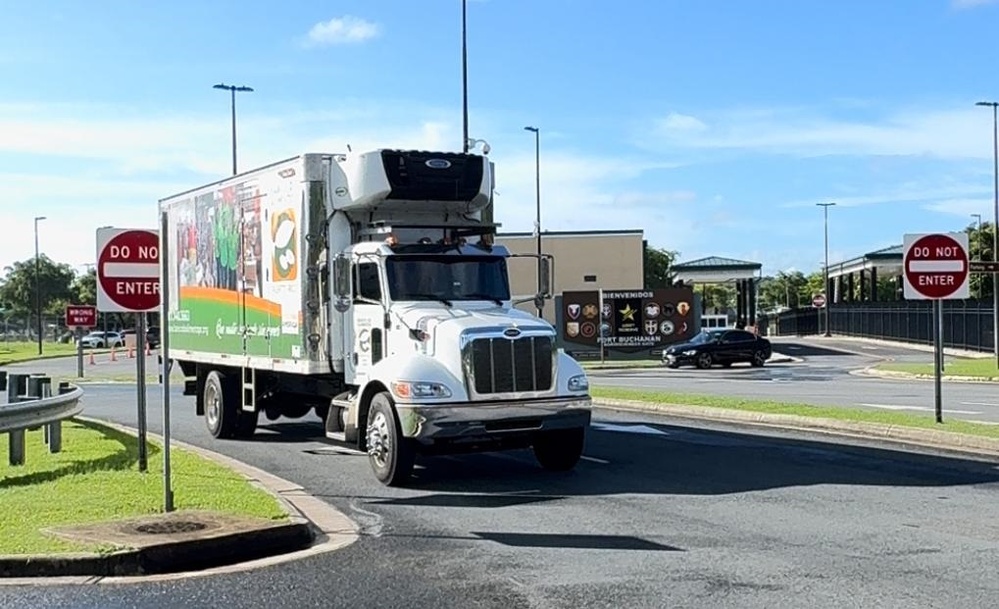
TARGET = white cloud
(962,4)
(964,207)
(92,169)
(955,133)
(905,193)
(342,30)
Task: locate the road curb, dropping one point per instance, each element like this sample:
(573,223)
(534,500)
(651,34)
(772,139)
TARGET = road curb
(313,527)
(930,438)
(896,374)
(777,358)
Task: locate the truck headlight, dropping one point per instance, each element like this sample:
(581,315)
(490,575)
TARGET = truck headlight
(420,389)
(579,383)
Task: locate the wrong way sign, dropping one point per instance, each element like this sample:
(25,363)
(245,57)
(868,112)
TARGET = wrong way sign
(128,270)
(935,266)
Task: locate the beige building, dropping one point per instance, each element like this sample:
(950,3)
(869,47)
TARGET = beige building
(584,260)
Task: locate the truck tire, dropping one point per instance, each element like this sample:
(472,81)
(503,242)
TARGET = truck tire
(391,455)
(221,409)
(559,450)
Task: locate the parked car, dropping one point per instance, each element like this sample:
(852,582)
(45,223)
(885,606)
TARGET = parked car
(99,340)
(152,337)
(722,346)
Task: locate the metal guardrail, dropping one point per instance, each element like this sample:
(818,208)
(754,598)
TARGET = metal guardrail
(30,405)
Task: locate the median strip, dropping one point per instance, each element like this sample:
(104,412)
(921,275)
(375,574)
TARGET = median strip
(896,426)
(88,510)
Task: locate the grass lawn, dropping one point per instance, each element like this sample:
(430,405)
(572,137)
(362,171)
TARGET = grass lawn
(773,407)
(11,352)
(984,367)
(95,478)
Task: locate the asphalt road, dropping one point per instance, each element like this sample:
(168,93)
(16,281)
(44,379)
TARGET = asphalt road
(659,514)
(823,378)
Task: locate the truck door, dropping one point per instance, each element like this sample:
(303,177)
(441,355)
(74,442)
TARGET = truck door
(369,316)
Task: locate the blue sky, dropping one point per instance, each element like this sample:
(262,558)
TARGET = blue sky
(714,125)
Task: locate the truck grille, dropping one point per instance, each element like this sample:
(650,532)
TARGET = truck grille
(502,365)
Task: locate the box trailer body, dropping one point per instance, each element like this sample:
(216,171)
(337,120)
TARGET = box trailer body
(365,288)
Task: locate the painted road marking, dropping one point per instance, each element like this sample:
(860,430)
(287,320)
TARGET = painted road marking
(595,460)
(919,408)
(642,429)
(978,404)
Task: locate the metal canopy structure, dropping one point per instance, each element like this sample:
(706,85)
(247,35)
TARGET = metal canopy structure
(715,269)
(886,260)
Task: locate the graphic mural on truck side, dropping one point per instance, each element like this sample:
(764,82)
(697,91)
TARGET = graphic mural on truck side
(236,262)
(628,320)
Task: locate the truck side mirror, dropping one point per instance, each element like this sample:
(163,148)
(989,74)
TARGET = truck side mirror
(341,283)
(546,277)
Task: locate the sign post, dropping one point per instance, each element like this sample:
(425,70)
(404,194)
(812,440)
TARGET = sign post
(128,281)
(78,318)
(936,268)
(165,358)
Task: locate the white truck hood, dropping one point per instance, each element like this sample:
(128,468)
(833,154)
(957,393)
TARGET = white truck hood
(446,323)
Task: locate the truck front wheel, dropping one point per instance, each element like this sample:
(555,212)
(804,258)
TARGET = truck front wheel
(221,412)
(391,455)
(559,450)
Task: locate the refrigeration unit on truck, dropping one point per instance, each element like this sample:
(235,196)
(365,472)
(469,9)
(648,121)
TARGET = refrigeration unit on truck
(366,288)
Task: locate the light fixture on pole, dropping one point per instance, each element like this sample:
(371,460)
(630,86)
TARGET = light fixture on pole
(232,90)
(825,268)
(38,286)
(537,201)
(995,225)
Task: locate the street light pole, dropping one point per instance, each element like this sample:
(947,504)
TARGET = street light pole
(537,201)
(825,285)
(464,78)
(979,240)
(232,90)
(38,286)
(995,225)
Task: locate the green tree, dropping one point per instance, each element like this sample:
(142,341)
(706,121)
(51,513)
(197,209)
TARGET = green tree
(55,286)
(658,264)
(85,288)
(788,289)
(981,247)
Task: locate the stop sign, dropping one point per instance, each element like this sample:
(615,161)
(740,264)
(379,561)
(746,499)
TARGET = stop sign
(819,301)
(936,266)
(128,270)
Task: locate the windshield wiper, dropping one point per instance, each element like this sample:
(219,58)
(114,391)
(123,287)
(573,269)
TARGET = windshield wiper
(498,301)
(429,297)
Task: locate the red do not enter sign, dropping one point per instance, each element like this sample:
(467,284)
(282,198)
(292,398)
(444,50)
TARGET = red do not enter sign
(128,270)
(936,266)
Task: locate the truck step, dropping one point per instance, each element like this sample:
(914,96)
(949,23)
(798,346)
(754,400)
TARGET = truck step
(339,436)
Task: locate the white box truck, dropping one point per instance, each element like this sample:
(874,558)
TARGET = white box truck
(366,288)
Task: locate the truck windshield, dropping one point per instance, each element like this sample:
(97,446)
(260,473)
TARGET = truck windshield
(447,278)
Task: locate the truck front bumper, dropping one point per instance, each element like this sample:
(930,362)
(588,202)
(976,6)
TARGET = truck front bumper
(431,422)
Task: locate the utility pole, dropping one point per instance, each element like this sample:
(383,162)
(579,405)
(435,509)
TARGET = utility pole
(232,90)
(979,240)
(537,201)
(38,287)
(995,225)
(825,285)
(464,78)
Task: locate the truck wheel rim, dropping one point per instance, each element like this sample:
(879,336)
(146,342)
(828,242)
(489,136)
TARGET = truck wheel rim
(212,406)
(379,447)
